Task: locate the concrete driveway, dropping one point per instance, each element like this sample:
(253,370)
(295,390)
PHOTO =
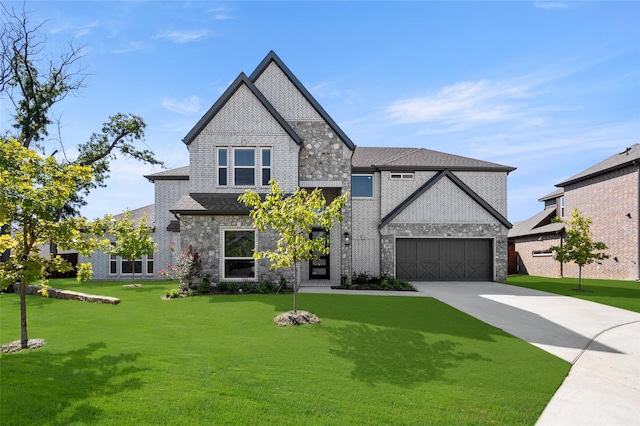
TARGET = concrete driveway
(601,342)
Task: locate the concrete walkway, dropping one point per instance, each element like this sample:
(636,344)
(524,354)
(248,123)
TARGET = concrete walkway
(601,342)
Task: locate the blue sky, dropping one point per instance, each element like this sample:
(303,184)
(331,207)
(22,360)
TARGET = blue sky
(549,87)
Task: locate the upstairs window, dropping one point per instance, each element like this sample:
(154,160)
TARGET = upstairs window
(402,176)
(562,206)
(266,166)
(223,165)
(244,161)
(362,186)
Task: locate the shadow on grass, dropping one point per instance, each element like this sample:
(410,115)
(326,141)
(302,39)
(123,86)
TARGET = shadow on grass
(393,356)
(58,384)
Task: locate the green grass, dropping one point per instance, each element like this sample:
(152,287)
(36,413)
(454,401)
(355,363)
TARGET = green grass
(621,294)
(221,360)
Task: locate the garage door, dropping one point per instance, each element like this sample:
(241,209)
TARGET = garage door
(429,259)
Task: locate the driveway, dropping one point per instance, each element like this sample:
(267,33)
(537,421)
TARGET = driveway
(601,342)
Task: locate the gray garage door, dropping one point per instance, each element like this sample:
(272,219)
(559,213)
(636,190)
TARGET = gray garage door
(429,259)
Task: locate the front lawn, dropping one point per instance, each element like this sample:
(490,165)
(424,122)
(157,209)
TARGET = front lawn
(220,360)
(621,294)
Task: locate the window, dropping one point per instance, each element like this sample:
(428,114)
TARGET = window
(244,160)
(239,245)
(362,186)
(542,253)
(402,176)
(562,206)
(113,262)
(266,166)
(129,267)
(150,263)
(222,167)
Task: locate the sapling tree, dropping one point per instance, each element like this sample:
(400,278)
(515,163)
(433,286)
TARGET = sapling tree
(132,240)
(578,246)
(293,217)
(32,190)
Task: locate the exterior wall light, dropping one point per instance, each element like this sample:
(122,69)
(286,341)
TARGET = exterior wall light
(629,215)
(347,238)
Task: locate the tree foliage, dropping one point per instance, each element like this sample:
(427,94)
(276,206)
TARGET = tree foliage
(35,83)
(32,190)
(293,218)
(578,246)
(132,240)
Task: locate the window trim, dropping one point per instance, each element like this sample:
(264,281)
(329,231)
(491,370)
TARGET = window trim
(113,261)
(224,257)
(236,167)
(221,167)
(366,197)
(263,167)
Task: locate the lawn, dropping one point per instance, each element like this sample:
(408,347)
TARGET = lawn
(220,360)
(621,294)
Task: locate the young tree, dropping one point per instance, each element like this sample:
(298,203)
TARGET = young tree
(132,240)
(293,217)
(32,190)
(578,246)
(35,84)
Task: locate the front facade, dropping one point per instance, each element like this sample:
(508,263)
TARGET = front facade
(608,193)
(413,213)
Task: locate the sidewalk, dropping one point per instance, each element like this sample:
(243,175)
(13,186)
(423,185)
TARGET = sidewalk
(602,343)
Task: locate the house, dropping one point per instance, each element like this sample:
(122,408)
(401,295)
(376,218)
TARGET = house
(413,213)
(608,193)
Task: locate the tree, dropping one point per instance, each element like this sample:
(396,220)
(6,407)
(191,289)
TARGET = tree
(35,84)
(132,240)
(32,190)
(578,246)
(293,217)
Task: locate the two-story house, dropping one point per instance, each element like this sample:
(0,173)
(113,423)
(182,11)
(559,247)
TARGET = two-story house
(413,213)
(608,193)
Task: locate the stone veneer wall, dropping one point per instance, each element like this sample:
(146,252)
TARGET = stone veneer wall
(325,157)
(204,233)
(451,230)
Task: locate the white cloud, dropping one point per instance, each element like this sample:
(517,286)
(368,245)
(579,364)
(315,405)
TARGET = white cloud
(187,106)
(184,36)
(132,46)
(551,4)
(220,13)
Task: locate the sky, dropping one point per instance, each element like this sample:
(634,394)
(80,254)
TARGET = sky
(548,87)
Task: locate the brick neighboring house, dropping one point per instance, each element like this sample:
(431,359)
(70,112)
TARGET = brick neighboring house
(413,213)
(608,193)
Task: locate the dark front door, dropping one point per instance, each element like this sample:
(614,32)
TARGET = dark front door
(319,266)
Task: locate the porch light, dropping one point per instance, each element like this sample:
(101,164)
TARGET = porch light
(347,238)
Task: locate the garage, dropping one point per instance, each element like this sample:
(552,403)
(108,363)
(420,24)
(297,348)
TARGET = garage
(446,259)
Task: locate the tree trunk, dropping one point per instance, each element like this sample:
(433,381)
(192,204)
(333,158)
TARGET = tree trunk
(580,277)
(296,284)
(24,339)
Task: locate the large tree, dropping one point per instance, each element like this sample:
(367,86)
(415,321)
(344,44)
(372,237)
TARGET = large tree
(132,240)
(32,190)
(578,246)
(34,82)
(293,217)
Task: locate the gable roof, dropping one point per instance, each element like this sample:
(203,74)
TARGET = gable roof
(181,173)
(366,159)
(429,184)
(136,215)
(272,57)
(555,194)
(541,223)
(231,90)
(630,156)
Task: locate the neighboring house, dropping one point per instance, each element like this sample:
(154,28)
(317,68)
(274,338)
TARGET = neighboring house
(413,213)
(608,193)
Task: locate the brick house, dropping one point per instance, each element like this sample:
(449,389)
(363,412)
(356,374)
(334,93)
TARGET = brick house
(608,193)
(413,213)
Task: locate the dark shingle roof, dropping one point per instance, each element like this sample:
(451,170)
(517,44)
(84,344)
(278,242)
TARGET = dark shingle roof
(210,204)
(623,159)
(181,173)
(554,194)
(541,223)
(136,214)
(371,159)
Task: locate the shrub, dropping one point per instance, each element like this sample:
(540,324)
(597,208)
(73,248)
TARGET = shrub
(173,293)
(361,278)
(204,287)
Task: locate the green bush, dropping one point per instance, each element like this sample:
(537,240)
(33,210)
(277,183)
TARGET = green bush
(173,293)
(204,287)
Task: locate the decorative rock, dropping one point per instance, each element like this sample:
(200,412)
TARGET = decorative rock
(56,293)
(296,318)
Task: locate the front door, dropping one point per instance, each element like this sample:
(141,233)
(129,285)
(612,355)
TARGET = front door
(319,266)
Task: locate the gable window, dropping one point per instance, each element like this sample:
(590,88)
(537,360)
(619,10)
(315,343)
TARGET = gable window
(266,166)
(222,166)
(362,186)
(244,161)
(402,176)
(239,245)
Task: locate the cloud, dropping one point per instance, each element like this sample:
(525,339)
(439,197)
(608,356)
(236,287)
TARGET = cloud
(184,36)
(220,13)
(187,106)
(132,46)
(551,4)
